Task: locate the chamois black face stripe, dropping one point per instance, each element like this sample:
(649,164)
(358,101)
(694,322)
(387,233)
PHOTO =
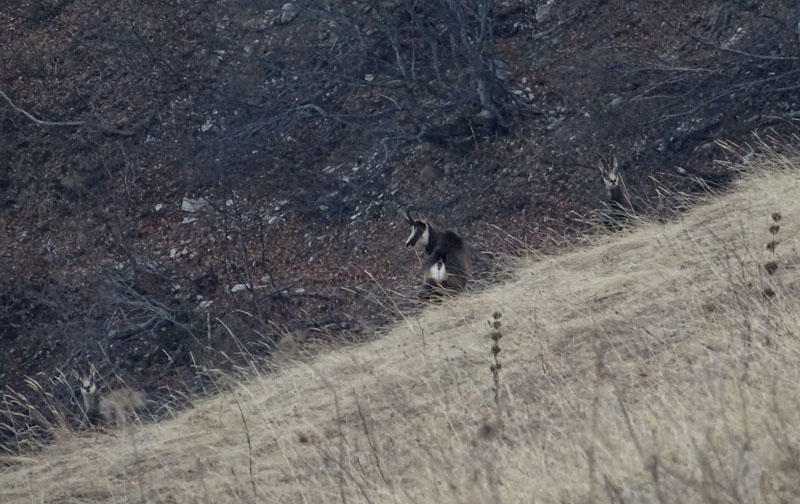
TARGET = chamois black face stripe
(413,237)
(417,232)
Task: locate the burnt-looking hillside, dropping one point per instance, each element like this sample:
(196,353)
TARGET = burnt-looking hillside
(307,130)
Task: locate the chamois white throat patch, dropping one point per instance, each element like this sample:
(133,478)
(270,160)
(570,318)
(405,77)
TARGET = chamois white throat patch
(423,240)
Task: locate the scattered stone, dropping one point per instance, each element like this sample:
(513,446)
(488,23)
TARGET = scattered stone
(555,123)
(159,207)
(289,11)
(369,77)
(272,220)
(682,170)
(616,102)
(188,220)
(300,291)
(206,126)
(240,287)
(266,278)
(543,12)
(204,305)
(502,69)
(175,253)
(193,205)
(485,116)
(229,202)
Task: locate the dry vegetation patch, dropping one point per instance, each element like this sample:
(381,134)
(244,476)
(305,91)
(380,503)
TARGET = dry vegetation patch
(659,365)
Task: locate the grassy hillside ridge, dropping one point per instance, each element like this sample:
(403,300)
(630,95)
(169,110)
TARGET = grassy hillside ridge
(659,365)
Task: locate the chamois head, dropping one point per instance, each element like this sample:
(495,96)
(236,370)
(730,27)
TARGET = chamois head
(420,231)
(610,173)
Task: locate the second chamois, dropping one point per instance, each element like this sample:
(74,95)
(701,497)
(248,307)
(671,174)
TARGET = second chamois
(448,265)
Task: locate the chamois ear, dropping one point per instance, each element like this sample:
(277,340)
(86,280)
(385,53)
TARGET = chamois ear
(606,168)
(409,218)
(614,164)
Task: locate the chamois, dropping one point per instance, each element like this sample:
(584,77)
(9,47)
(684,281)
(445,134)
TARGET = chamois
(449,263)
(617,199)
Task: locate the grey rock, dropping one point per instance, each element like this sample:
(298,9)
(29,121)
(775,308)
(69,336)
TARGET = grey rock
(193,205)
(543,13)
(555,123)
(501,69)
(289,11)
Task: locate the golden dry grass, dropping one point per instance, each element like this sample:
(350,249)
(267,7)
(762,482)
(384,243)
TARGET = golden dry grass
(648,367)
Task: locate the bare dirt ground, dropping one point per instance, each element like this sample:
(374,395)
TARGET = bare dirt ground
(100,264)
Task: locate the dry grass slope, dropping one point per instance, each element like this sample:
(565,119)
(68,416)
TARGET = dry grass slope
(656,366)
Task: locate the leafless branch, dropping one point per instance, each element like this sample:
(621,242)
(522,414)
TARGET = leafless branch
(99,126)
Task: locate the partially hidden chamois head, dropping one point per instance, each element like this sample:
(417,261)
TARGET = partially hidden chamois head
(420,231)
(616,193)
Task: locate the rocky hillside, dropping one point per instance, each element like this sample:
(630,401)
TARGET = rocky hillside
(183,183)
(656,366)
